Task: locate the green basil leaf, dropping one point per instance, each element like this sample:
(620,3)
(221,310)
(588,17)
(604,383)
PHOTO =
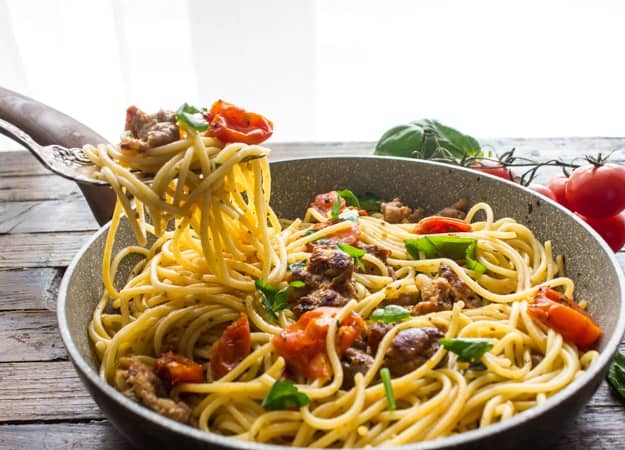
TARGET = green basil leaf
(390,314)
(385,375)
(616,374)
(354,252)
(297,284)
(470,258)
(336,208)
(191,116)
(349,197)
(468,350)
(370,202)
(458,144)
(272,298)
(402,140)
(283,395)
(453,247)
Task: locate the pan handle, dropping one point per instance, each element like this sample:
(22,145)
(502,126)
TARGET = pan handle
(48,126)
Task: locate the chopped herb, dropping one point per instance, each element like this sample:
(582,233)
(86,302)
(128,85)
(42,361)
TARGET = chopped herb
(283,395)
(192,117)
(385,374)
(297,284)
(390,314)
(273,299)
(336,208)
(468,350)
(453,247)
(370,202)
(297,265)
(354,252)
(616,374)
(349,197)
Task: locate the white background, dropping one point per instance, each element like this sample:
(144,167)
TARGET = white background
(327,70)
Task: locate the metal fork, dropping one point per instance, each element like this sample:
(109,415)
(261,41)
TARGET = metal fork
(70,163)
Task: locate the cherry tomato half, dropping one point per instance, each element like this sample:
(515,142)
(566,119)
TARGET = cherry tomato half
(496,169)
(557,185)
(597,191)
(611,229)
(229,123)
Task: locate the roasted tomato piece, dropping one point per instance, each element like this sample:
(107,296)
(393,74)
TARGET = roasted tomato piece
(440,224)
(565,316)
(303,343)
(323,203)
(231,348)
(173,369)
(229,123)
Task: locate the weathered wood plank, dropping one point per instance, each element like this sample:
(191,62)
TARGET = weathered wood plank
(40,249)
(33,188)
(95,435)
(72,214)
(30,336)
(20,163)
(29,288)
(43,391)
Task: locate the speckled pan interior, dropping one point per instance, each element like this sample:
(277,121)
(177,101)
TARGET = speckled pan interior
(432,186)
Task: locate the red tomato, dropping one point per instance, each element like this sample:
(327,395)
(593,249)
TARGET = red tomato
(303,343)
(323,203)
(557,185)
(597,191)
(440,224)
(542,189)
(233,345)
(174,369)
(496,169)
(611,229)
(229,123)
(565,316)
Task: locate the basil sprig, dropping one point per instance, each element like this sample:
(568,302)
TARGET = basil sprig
(616,374)
(274,299)
(453,247)
(283,395)
(385,375)
(192,117)
(370,202)
(390,314)
(355,252)
(469,350)
(350,200)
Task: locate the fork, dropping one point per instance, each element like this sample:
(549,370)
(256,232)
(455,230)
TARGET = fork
(70,163)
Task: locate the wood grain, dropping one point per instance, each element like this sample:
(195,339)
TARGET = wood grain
(44,391)
(92,435)
(68,215)
(29,288)
(40,249)
(30,336)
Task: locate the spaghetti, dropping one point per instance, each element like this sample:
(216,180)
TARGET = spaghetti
(221,260)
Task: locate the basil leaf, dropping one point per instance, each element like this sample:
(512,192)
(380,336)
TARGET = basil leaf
(468,350)
(349,197)
(616,374)
(283,395)
(385,375)
(354,252)
(370,202)
(191,116)
(297,265)
(470,258)
(297,284)
(336,208)
(390,314)
(457,143)
(272,298)
(453,247)
(350,215)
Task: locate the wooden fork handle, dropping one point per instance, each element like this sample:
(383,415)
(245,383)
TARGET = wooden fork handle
(48,126)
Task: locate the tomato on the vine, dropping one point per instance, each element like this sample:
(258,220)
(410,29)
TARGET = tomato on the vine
(597,191)
(611,229)
(557,185)
(542,189)
(495,168)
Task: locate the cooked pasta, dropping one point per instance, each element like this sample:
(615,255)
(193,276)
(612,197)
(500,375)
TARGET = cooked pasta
(215,244)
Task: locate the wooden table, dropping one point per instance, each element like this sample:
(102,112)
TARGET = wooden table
(44,221)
